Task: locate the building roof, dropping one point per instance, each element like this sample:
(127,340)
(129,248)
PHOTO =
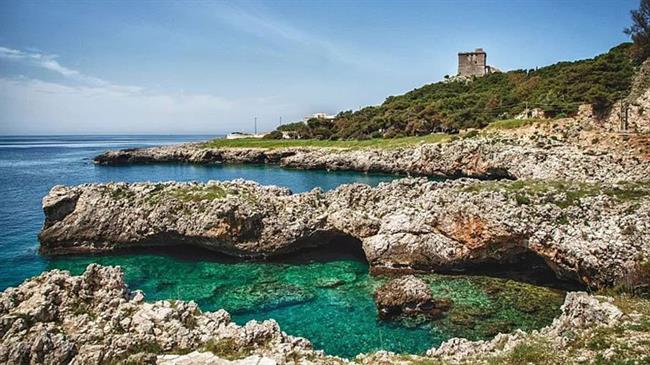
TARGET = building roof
(476,51)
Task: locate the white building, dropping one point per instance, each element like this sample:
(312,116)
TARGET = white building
(319,116)
(240,135)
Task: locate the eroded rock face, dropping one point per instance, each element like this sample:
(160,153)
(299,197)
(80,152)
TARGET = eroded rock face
(595,233)
(56,318)
(408,296)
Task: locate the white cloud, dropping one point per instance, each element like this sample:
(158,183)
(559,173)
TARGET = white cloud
(39,107)
(94,105)
(49,62)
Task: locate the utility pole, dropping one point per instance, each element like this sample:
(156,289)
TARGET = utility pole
(280,120)
(255,125)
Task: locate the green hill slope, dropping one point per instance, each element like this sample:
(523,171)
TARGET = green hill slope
(443,106)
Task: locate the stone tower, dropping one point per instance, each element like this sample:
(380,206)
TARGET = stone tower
(473,63)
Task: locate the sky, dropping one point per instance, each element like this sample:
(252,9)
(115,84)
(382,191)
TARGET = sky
(211,67)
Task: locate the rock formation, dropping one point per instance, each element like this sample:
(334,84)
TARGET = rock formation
(594,233)
(56,318)
(580,312)
(532,156)
(408,296)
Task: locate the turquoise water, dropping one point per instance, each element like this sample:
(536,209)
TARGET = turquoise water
(324,297)
(330,301)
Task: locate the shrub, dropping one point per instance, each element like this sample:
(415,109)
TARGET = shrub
(274,135)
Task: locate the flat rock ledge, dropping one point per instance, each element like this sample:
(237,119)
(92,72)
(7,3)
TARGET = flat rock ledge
(488,157)
(408,296)
(594,233)
(56,318)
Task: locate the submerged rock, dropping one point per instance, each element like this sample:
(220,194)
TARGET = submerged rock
(265,296)
(591,233)
(408,296)
(580,313)
(56,318)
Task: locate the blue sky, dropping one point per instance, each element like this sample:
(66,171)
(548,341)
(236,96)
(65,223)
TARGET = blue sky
(211,67)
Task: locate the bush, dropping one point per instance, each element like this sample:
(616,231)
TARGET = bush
(273,135)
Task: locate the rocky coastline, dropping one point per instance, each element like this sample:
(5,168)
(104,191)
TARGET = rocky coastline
(595,234)
(581,209)
(57,318)
(548,155)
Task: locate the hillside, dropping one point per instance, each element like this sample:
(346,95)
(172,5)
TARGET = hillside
(449,105)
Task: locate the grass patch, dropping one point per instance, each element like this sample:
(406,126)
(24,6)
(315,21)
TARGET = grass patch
(227,348)
(419,360)
(383,143)
(514,123)
(195,194)
(121,192)
(562,193)
(527,352)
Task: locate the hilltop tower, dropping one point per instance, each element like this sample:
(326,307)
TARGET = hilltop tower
(473,63)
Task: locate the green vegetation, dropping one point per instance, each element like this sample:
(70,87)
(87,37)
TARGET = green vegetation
(562,193)
(121,192)
(199,192)
(528,352)
(347,144)
(228,348)
(515,123)
(640,30)
(193,193)
(629,340)
(447,106)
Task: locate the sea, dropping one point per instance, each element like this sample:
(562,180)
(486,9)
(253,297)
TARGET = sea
(324,295)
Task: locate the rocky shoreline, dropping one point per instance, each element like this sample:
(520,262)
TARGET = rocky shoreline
(56,318)
(485,156)
(596,234)
(579,208)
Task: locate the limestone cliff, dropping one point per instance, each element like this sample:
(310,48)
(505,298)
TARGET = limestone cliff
(595,233)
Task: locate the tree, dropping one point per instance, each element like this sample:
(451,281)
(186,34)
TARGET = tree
(640,31)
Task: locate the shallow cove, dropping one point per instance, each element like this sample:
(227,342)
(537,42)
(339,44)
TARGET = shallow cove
(320,295)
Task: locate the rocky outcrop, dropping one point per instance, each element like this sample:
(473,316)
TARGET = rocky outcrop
(484,156)
(580,312)
(192,153)
(56,318)
(590,330)
(594,233)
(408,296)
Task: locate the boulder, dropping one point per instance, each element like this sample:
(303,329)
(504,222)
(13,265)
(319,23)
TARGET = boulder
(408,296)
